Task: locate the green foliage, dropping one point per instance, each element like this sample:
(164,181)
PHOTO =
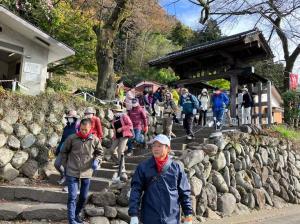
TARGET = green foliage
(57,85)
(181,34)
(210,32)
(291,106)
(287,132)
(272,71)
(149,47)
(220,83)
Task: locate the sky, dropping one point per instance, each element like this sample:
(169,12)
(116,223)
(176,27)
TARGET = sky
(189,14)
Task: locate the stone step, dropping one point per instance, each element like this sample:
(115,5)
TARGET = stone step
(97,183)
(137,159)
(37,194)
(110,165)
(108,173)
(32,211)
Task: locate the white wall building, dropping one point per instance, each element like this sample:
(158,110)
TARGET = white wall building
(26,51)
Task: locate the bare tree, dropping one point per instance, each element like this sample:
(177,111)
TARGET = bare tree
(279,17)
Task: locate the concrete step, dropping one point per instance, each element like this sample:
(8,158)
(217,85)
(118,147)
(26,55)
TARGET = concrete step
(110,165)
(97,183)
(32,211)
(137,159)
(108,173)
(38,194)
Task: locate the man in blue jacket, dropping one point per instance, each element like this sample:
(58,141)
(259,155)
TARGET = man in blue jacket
(160,186)
(69,129)
(220,101)
(190,105)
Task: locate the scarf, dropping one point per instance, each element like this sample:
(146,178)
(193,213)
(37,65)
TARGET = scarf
(160,163)
(82,136)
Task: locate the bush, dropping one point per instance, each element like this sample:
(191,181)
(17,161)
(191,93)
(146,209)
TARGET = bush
(57,85)
(287,132)
(291,107)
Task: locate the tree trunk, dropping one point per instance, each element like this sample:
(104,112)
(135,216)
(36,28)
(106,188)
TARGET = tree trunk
(106,35)
(105,64)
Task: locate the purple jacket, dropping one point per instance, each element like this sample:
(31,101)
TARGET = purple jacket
(138,117)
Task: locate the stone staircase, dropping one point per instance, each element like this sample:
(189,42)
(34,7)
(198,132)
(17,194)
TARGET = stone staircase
(49,202)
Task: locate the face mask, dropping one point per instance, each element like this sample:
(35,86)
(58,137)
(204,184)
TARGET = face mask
(135,104)
(185,95)
(70,120)
(118,114)
(89,115)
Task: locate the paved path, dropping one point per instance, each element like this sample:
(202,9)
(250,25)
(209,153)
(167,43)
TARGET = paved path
(287,215)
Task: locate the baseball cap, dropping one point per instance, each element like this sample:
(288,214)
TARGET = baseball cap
(163,139)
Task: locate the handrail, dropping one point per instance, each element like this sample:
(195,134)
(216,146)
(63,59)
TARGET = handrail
(86,95)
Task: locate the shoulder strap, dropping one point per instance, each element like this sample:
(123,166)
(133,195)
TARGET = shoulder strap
(155,178)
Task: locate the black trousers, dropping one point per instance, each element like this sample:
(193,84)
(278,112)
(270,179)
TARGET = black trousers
(202,117)
(188,124)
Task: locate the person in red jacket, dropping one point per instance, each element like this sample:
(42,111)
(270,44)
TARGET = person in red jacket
(96,123)
(139,121)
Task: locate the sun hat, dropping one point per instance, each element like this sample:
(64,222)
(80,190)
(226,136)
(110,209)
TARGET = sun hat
(117,108)
(163,139)
(72,113)
(89,110)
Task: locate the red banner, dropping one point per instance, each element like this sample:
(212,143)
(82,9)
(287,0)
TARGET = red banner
(294,80)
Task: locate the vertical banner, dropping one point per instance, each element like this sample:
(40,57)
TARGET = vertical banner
(294,82)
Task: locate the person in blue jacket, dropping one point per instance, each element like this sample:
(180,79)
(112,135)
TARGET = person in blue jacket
(70,128)
(158,188)
(219,101)
(190,105)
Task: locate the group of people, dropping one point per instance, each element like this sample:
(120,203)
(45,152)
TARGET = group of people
(80,153)
(159,186)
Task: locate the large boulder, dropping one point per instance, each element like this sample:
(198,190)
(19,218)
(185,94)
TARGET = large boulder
(104,199)
(8,172)
(110,212)
(244,180)
(20,130)
(3,140)
(35,128)
(28,141)
(26,116)
(194,158)
(5,156)
(219,182)
(196,186)
(210,149)
(19,159)
(30,169)
(219,162)
(211,193)
(201,203)
(93,211)
(13,142)
(6,127)
(98,220)
(53,140)
(260,198)
(11,117)
(226,204)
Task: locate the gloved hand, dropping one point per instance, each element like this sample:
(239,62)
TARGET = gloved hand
(188,220)
(134,220)
(194,111)
(95,165)
(145,129)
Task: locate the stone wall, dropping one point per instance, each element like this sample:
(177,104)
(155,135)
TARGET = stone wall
(238,171)
(30,129)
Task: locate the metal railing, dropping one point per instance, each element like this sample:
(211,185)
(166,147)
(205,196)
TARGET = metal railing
(15,84)
(89,97)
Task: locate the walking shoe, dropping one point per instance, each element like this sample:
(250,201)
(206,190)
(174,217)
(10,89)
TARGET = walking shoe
(65,189)
(62,180)
(173,135)
(129,153)
(124,177)
(189,137)
(79,219)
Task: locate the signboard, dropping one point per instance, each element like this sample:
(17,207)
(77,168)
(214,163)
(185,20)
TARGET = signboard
(32,71)
(295,82)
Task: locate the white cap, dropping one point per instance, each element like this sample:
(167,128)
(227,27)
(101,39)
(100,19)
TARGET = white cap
(163,139)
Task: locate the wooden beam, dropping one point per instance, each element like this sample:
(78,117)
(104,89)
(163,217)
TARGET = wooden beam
(269,87)
(233,92)
(259,103)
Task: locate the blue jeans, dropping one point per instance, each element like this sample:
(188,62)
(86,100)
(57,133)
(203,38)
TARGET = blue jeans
(219,114)
(138,137)
(73,185)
